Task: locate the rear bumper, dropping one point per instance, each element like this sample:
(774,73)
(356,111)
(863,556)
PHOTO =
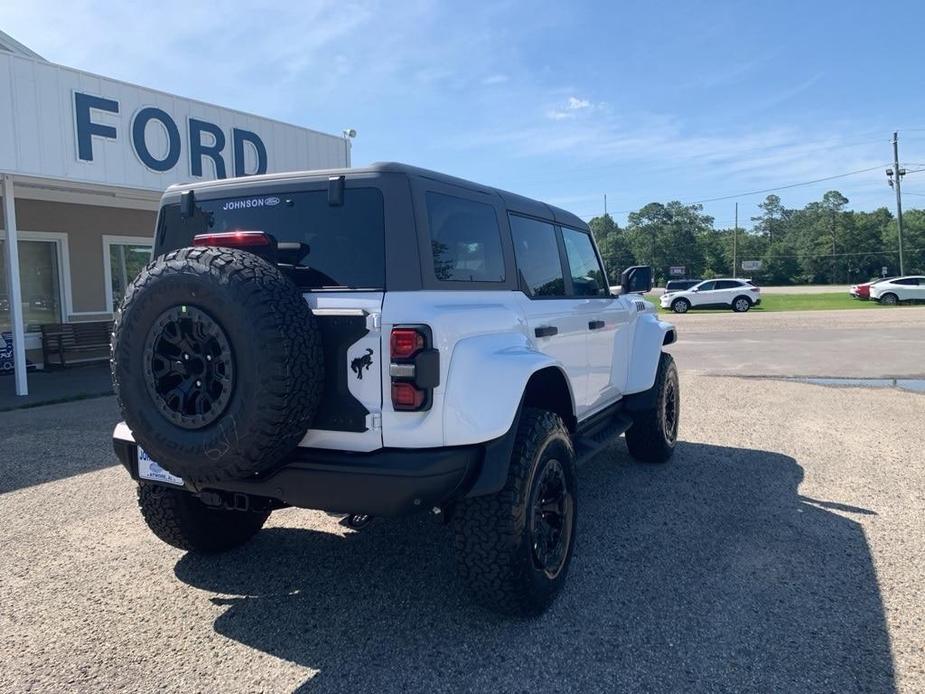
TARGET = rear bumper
(387,482)
(758,301)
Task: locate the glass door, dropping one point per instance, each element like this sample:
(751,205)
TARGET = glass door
(40,278)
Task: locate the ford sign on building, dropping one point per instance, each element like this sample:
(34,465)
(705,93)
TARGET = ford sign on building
(83,161)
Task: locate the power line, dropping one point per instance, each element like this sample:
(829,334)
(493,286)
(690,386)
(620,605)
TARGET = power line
(784,187)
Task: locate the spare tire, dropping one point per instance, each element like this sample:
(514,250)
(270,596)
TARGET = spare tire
(216,363)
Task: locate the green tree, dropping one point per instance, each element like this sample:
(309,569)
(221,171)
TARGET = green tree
(612,244)
(665,235)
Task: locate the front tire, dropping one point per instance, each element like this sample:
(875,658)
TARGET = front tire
(514,548)
(889,299)
(654,433)
(181,520)
(680,305)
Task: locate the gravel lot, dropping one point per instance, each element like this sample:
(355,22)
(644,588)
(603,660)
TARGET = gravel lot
(782,549)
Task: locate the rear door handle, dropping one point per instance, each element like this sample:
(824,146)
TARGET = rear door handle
(546,331)
(596,324)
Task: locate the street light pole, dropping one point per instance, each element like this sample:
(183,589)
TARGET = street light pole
(349,134)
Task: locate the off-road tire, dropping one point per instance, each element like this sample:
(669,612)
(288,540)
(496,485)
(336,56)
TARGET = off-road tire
(652,437)
(494,552)
(680,305)
(275,344)
(741,304)
(181,520)
(889,299)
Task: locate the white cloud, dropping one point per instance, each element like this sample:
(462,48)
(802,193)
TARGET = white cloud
(495,79)
(576,104)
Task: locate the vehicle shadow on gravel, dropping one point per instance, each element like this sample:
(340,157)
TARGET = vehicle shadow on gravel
(709,573)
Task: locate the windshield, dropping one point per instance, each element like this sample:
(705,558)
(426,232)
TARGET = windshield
(344,245)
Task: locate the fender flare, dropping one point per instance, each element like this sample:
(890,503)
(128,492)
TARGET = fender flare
(650,336)
(487,377)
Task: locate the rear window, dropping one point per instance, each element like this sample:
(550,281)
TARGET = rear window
(728,284)
(345,244)
(465,239)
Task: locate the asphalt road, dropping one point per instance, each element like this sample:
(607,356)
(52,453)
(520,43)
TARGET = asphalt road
(854,343)
(782,549)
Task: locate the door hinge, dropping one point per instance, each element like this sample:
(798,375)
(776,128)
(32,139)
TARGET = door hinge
(374,321)
(374,421)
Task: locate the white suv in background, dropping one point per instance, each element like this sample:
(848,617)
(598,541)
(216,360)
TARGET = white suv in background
(910,288)
(739,295)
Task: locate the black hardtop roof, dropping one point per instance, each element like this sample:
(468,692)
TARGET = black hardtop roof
(513,201)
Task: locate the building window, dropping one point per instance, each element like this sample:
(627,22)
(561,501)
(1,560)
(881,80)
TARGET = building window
(40,279)
(126,258)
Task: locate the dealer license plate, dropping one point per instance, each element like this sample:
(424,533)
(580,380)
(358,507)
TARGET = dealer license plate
(149,470)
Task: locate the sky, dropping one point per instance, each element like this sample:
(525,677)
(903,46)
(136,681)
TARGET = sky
(562,101)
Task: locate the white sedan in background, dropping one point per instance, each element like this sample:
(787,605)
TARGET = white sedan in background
(739,295)
(891,292)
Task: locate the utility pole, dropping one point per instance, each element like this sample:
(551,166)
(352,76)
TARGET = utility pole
(895,185)
(605,204)
(735,233)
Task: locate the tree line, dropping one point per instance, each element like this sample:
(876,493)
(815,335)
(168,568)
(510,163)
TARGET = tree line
(821,243)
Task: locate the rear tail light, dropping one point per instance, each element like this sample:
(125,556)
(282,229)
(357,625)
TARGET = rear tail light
(406,342)
(233,239)
(414,368)
(754,289)
(406,397)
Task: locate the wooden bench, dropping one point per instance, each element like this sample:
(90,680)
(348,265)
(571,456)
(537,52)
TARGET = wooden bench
(73,338)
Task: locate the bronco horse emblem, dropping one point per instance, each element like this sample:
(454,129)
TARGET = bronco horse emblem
(360,363)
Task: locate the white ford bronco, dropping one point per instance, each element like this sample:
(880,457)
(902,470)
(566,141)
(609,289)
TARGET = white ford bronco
(379,341)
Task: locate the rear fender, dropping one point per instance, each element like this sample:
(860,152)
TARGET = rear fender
(487,379)
(650,335)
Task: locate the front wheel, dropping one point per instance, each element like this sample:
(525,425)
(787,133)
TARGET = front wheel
(654,432)
(741,304)
(680,306)
(513,548)
(180,519)
(889,299)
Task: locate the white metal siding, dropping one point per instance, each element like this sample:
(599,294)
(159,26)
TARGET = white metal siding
(38,134)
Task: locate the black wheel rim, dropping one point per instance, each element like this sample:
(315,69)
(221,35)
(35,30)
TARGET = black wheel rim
(670,410)
(551,518)
(188,367)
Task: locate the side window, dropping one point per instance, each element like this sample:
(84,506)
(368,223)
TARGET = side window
(465,239)
(727,284)
(537,255)
(587,275)
(706,286)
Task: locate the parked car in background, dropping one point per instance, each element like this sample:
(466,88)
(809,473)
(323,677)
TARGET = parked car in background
(891,292)
(680,285)
(739,295)
(862,290)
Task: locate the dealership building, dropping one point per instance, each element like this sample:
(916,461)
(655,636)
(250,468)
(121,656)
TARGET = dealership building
(83,161)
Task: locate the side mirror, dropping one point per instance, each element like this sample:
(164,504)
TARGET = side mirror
(636,280)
